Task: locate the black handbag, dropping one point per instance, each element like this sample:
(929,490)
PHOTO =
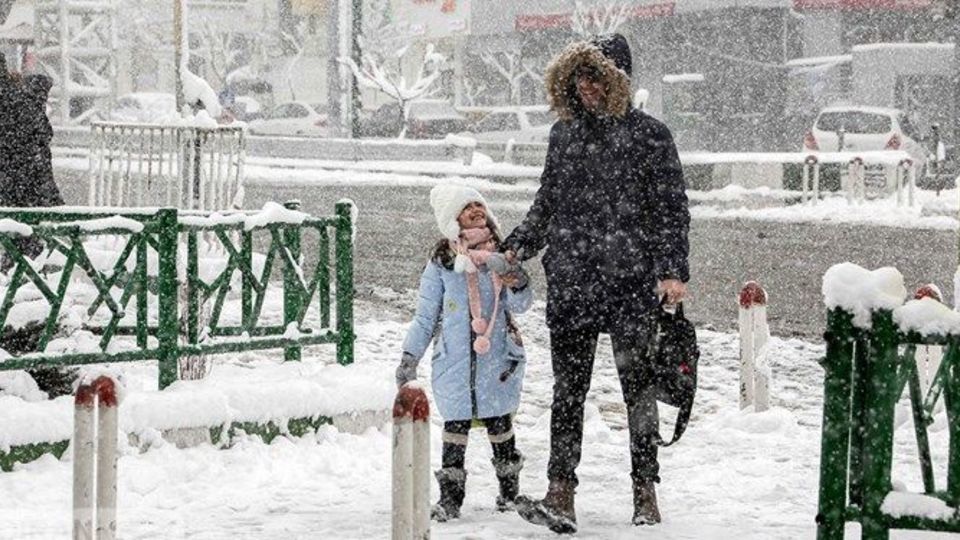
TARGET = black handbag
(675,358)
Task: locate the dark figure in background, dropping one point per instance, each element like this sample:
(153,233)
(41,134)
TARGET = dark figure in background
(25,137)
(26,165)
(612,212)
(26,180)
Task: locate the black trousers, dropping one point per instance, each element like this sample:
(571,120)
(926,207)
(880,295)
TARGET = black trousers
(573,354)
(499,431)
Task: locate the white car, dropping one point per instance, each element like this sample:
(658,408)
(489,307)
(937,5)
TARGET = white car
(144,107)
(294,118)
(522,124)
(864,129)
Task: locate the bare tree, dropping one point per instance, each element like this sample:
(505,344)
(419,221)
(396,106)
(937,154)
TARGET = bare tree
(472,91)
(509,65)
(217,51)
(372,74)
(595,17)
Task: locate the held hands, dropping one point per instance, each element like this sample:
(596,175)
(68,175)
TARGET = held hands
(507,266)
(674,289)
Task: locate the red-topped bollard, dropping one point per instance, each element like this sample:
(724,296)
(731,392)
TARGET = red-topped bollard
(929,290)
(754,335)
(95,458)
(411,463)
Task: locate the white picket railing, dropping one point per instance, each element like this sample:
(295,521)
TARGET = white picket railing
(189,167)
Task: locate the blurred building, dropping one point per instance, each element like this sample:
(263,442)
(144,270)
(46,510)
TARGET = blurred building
(731,74)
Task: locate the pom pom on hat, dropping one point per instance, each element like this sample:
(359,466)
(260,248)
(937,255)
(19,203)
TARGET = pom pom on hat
(448,201)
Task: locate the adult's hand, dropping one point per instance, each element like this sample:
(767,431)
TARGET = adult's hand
(674,289)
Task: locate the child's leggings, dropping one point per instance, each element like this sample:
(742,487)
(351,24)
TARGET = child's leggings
(499,431)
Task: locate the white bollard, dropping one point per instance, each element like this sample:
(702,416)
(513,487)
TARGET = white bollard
(95,460)
(928,357)
(754,334)
(856,188)
(811,165)
(411,464)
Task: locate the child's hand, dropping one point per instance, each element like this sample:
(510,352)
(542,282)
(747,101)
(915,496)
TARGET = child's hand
(516,279)
(407,370)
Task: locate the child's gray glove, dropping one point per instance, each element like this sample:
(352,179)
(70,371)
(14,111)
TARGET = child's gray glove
(407,370)
(515,276)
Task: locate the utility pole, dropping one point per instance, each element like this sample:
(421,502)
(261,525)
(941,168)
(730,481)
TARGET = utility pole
(178,50)
(355,52)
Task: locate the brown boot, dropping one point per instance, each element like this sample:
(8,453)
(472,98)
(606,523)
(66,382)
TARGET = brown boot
(645,510)
(555,511)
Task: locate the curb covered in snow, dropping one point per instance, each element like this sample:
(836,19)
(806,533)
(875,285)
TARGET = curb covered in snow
(269,400)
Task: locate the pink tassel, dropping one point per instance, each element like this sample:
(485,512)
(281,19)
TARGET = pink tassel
(481,345)
(479,326)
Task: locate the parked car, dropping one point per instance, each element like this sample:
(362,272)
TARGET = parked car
(865,129)
(425,119)
(246,109)
(522,124)
(294,118)
(144,107)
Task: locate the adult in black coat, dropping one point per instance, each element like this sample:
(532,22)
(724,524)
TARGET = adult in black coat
(612,214)
(25,137)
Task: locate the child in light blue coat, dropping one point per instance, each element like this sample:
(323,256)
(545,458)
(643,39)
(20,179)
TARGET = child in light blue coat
(468,295)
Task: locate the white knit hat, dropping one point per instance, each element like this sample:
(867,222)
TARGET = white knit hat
(448,200)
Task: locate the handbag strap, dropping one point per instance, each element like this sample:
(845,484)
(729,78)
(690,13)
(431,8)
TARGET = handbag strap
(683,414)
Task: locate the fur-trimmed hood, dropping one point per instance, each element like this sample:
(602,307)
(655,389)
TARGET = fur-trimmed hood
(610,55)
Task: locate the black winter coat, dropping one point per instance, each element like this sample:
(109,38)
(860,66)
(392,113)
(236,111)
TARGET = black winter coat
(612,212)
(26,170)
(611,209)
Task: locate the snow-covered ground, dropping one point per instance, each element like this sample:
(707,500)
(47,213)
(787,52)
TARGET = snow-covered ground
(735,474)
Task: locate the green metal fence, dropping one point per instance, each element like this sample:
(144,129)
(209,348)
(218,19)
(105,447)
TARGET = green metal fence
(867,372)
(167,295)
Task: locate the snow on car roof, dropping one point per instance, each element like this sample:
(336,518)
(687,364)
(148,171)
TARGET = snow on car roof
(887,111)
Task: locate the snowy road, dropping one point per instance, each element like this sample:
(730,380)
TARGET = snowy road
(397,230)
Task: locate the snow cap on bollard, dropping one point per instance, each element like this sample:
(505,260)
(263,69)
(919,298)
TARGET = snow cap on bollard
(752,294)
(103,387)
(929,290)
(411,402)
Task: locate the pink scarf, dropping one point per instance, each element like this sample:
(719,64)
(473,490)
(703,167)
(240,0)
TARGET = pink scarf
(473,249)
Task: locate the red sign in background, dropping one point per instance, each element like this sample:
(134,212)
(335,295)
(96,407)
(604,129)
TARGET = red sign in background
(564,20)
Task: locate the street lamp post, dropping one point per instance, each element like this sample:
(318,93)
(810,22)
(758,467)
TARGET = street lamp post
(178,50)
(356,34)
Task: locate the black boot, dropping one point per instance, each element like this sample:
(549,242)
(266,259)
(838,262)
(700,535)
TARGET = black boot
(452,482)
(555,511)
(508,474)
(645,509)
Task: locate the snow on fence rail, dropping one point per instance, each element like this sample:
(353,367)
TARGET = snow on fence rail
(187,166)
(109,270)
(872,340)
